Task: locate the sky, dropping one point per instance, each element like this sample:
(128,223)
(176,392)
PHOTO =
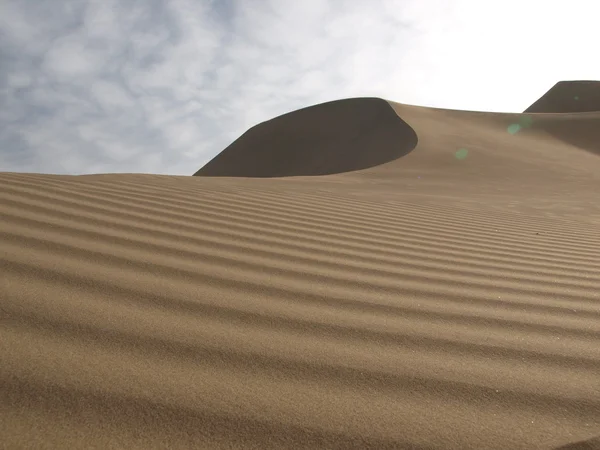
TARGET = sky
(162,87)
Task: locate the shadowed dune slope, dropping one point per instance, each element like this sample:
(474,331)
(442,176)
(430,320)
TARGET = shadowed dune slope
(580,97)
(569,96)
(590,444)
(580,130)
(447,299)
(333,137)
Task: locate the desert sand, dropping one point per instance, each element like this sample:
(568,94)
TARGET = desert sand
(356,274)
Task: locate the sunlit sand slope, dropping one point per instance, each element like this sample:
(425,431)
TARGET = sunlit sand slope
(446,297)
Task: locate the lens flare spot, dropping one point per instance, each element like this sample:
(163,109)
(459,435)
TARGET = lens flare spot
(461,153)
(514,128)
(526,121)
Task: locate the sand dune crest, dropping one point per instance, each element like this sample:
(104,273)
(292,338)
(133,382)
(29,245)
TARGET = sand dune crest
(569,97)
(329,138)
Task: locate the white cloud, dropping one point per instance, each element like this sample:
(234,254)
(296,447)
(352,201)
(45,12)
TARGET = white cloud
(18,80)
(91,86)
(111,96)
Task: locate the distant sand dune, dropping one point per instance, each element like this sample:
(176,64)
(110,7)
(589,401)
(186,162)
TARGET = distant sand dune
(440,289)
(572,97)
(325,139)
(569,97)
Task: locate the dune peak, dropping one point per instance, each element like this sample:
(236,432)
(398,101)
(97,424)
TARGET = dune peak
(324,139)
(569,97)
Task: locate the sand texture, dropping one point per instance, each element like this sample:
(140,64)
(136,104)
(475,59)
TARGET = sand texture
(357,274)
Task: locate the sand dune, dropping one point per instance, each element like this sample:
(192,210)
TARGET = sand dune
(333,137)
(443,293)
(569,96)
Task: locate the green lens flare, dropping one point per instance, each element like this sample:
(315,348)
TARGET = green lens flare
(514,128)
(526,121)
(461,153)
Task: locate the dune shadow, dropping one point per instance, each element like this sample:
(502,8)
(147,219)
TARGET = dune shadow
(329,138)
(589,444)
(569,97)
(582,132)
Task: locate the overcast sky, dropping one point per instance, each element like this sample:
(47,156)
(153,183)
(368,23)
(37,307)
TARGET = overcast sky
(156,86)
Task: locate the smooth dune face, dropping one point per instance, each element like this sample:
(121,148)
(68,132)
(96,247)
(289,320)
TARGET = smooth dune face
(448,297)
(580,130)
(569,96)
(325,139)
